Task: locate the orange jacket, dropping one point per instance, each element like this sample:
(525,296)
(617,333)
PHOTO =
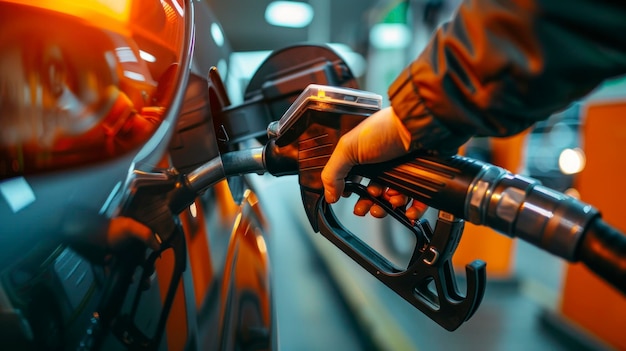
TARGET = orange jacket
(499,66)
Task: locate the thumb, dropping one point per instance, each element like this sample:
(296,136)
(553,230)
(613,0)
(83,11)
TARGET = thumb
(336,170)
(381,137)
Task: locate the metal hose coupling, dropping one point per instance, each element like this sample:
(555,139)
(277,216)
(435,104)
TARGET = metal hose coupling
(521,207)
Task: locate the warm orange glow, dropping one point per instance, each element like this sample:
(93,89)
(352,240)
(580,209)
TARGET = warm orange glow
(88,9)
(176,328)
(85,81)
(260,241)
(588,301)
(224,196)
(199,253)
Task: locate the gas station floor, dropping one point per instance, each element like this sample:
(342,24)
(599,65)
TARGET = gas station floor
(325,301)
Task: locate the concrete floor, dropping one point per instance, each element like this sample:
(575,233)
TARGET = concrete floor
(325,301)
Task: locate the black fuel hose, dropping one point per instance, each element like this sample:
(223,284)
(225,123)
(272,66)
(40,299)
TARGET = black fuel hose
(603,250)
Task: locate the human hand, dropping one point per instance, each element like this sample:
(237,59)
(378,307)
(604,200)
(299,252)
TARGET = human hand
(380,137)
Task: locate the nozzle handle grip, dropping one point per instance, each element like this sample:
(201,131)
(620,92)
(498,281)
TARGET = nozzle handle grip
(442,183)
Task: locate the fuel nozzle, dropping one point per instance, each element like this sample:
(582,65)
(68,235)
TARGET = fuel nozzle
(488,195)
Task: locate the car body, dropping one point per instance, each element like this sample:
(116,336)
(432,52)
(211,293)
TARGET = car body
(84,73)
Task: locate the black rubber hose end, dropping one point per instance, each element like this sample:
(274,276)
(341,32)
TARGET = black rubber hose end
(603,250)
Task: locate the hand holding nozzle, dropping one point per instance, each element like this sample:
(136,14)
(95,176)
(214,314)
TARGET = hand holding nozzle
(358,147)
(380,137)
(302,143)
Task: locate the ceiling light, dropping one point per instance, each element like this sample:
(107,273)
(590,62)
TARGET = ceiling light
(390,35)
(217,34)
(572,161)
(289,14)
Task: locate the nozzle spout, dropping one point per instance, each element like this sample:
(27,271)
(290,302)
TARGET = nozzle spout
(210,173)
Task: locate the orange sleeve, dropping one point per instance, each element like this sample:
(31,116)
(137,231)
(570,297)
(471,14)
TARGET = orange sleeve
(497,67)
